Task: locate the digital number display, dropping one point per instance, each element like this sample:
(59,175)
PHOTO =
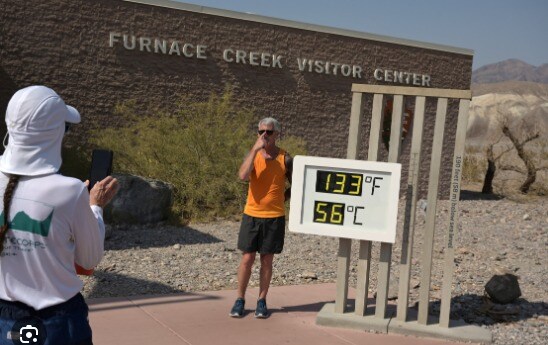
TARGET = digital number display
(339,183)
(329,212)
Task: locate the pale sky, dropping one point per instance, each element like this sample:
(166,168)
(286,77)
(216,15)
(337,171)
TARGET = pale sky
(495,29)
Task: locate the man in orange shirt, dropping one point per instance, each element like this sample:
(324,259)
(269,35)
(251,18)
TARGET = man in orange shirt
(266,167)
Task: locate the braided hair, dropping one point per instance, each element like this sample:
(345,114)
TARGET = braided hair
(8,194)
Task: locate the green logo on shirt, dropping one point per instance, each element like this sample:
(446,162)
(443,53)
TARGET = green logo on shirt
(23,222)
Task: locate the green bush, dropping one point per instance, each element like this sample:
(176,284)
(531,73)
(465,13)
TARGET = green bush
(198,148)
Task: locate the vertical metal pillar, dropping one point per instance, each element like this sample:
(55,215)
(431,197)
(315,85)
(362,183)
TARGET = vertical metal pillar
(410,209)
(428,245)
(345,244)
(449,265)
(364,261)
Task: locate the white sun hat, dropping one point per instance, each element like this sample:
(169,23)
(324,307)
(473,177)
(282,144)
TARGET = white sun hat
(35,119)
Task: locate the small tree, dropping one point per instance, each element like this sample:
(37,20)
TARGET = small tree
(531,169)
(494,138)
(492,160)
(519,134)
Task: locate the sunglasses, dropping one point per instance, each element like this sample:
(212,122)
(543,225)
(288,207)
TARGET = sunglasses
(268,131)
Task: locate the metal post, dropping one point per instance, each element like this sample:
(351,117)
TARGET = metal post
(364,262)
(452,227)
(426,261)
(410,209)
(345,245)
(386,248)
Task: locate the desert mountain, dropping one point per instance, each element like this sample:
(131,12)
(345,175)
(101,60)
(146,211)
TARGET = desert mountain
(516,100)
(511,69)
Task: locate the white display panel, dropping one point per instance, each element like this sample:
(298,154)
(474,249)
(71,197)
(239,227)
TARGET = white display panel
(345,198)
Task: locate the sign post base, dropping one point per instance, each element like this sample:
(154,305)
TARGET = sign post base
(458,330)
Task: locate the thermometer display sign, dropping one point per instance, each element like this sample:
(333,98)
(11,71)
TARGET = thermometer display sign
(345,198)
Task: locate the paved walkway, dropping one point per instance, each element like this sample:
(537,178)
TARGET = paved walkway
(202,318)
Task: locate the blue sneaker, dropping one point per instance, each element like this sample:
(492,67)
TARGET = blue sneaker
(262,311)
(238,308)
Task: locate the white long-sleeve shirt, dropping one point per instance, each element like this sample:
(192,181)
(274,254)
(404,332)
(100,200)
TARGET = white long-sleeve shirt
(52,226)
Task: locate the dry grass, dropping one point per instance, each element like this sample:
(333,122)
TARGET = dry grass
(473,168)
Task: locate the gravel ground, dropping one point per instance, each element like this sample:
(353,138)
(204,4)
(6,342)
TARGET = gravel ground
(497,236)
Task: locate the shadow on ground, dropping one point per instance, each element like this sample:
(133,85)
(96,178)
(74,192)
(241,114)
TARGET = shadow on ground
(473,195)
(131,292)
(114,284)
(316,307)
(155,236)
(480,310)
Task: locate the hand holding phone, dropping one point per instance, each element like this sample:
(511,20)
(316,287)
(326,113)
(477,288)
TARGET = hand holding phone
(101,166)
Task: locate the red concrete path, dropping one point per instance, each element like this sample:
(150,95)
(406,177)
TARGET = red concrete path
(202,319)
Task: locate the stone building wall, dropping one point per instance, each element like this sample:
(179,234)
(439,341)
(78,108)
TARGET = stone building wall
(65,44)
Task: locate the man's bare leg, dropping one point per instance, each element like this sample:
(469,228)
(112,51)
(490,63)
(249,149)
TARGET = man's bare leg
(266,274)
(244,272)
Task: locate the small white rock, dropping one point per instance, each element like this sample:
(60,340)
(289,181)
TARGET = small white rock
(309,275)
(526,217)
(177,246)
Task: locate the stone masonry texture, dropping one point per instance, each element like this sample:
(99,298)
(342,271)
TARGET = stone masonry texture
(64,44)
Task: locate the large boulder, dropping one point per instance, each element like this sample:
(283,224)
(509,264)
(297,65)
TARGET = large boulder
(139,201)
(503,288)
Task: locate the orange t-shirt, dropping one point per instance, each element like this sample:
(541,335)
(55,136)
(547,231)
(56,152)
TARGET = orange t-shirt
(265,196)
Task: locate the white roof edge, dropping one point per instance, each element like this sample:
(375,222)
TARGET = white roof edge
(303,26)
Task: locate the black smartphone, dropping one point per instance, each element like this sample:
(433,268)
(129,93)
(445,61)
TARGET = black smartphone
(101,166)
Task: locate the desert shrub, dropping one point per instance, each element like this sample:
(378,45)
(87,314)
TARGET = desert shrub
(293,145)
(198,148)
(473,166)
(513,170)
